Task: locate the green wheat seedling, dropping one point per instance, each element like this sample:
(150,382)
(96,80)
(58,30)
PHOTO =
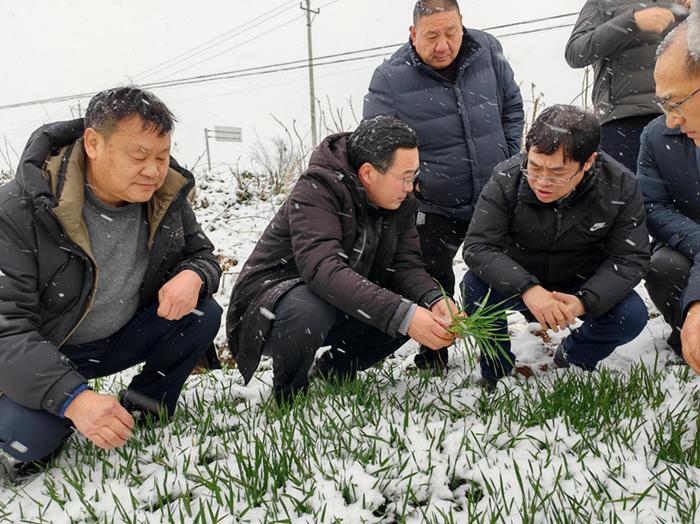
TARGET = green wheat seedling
(480,329)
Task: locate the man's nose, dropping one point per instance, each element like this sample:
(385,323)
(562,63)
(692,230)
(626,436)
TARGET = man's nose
(674,120)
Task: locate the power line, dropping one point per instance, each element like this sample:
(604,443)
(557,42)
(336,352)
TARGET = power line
(209,43)
(283,66)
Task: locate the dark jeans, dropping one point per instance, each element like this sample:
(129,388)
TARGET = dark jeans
(667,278)
(620,139)
(170,350)
(303,323)
(440,239)
(587,345)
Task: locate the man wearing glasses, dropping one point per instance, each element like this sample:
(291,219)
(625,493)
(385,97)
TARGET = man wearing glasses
(669,175)
(560,231)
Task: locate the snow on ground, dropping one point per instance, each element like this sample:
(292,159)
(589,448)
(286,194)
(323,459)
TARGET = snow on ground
(621,444)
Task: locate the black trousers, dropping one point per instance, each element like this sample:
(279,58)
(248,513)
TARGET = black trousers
(169,349)
(440,239)
(303,323)
(620,139)
(667,278)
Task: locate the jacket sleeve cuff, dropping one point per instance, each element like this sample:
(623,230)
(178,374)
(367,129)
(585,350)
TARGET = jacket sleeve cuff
(62,389)
(403,328)
(430,298)
(397,320)
(71,397)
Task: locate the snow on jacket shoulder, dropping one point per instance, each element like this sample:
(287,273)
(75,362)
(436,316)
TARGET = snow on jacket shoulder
(464,128)
(47,274)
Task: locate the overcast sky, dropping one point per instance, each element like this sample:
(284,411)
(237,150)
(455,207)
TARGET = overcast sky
(61,47)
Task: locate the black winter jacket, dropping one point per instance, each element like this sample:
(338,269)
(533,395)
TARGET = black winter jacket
(607,37)
(318,238)
(596,237)
(47,272)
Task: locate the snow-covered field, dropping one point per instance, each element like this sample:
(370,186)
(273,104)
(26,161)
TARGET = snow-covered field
(618,445)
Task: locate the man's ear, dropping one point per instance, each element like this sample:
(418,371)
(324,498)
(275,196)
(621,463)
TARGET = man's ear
(590,161)
(412,32)
(91,141)
(365,174)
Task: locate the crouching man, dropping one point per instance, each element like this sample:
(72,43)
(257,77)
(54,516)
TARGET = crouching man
(102,266)
(339,265)
(559,231)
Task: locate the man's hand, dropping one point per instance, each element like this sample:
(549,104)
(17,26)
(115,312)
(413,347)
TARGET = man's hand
(690,337)
(430,329)
(101,419)
(572,301)
(179,295)
(549,312)
(654,19)
(446,308)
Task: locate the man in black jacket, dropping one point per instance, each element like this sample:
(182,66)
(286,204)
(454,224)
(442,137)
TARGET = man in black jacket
(102,266)
(339,265)
(560,231)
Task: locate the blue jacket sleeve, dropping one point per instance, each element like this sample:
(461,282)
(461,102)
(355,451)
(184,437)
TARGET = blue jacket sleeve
(665,222)
(379,99)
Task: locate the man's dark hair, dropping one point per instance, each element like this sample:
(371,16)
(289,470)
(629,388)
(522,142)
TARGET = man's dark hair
(575,130)
(376,139)
(430,7)
(108,107)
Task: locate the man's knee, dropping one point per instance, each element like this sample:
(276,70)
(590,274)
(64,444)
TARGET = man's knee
(302,309)
(28,434)
(668,268)
(209,314)
(631,315)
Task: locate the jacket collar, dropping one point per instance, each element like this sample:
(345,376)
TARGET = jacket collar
(468,52)
(65,174)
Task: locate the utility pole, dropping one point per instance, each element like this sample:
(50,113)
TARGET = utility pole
(312,92)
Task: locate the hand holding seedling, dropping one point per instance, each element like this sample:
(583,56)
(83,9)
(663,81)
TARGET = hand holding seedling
(101,419)
(550,312)
(430,329)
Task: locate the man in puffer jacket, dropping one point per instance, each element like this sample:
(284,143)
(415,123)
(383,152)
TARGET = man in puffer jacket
(619,39)
(456,89)
(102,266)
(339,266)
(559,231)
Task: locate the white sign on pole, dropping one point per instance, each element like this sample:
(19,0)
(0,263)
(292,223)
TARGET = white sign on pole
(228,134)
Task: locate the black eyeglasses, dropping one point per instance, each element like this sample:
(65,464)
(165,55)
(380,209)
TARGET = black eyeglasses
(674,108)
(553,179)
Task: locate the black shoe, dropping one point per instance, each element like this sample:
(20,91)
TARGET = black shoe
(432,360)
(487,384)
(560,360)
(14,471)
(144,410)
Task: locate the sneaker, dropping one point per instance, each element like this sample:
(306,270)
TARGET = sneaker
(560,360)
(13,471)
(432,360)
(144,410)
(487,384)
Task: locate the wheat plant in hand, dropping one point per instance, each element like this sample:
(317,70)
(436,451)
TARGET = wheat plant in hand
(480,329)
